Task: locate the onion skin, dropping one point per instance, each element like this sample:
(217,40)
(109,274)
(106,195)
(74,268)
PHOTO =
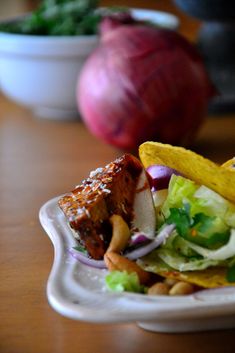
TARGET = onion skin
(84,259)
(143,83)
(114,20)
(155,243)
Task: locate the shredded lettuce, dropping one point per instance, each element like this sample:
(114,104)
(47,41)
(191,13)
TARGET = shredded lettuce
(222,253)
(204,223)
(164,260)
(199,211)
(180,192)
(214,204)
(209,231)
(120,281)
(201,199)
(231,274)
(183,263)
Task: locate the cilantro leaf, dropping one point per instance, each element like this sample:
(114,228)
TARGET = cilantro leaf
(201,229)
(80,248)
(180,217)
(231,274)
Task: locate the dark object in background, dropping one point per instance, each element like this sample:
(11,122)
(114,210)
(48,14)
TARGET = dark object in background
(216,41)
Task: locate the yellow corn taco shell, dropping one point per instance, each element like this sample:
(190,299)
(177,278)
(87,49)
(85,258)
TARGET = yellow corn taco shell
(192,165)
(230,164)
(212,277)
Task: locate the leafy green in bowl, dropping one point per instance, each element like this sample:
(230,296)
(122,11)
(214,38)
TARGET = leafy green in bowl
(58,17)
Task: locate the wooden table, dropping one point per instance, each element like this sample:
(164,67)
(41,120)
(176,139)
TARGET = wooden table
(39,160)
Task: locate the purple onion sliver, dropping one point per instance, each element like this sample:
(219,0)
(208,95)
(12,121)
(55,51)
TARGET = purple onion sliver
(139,238)
(157,241)
(87,260)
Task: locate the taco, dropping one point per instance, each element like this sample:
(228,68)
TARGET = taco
(170,214)
(200,202)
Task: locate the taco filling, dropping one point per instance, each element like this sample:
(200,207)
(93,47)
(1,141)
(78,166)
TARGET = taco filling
(204,235)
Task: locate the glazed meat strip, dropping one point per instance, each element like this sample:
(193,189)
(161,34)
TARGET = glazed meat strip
(107,191)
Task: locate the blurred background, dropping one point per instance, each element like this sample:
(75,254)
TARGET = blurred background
(221,70)
(210,23)
(16,7)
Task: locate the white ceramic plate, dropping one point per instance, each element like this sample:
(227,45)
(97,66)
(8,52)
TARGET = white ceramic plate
(77,291)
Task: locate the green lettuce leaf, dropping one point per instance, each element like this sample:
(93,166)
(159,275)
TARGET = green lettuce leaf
(231,274)
(214,204)
(180,192)
(121,281)
(182,263)
(201,199)
(225,252)
(208,231)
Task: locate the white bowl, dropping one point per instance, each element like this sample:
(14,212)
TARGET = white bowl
(41,72)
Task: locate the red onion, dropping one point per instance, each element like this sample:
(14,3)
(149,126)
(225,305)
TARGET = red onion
(157,241)
(160,176)
(139,239)
(131,255)
(78,255)
(143,83)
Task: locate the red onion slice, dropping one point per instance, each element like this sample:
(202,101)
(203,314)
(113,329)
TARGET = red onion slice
(86,260)
(132,255)
(160,176)
(138,239)
(157,241)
